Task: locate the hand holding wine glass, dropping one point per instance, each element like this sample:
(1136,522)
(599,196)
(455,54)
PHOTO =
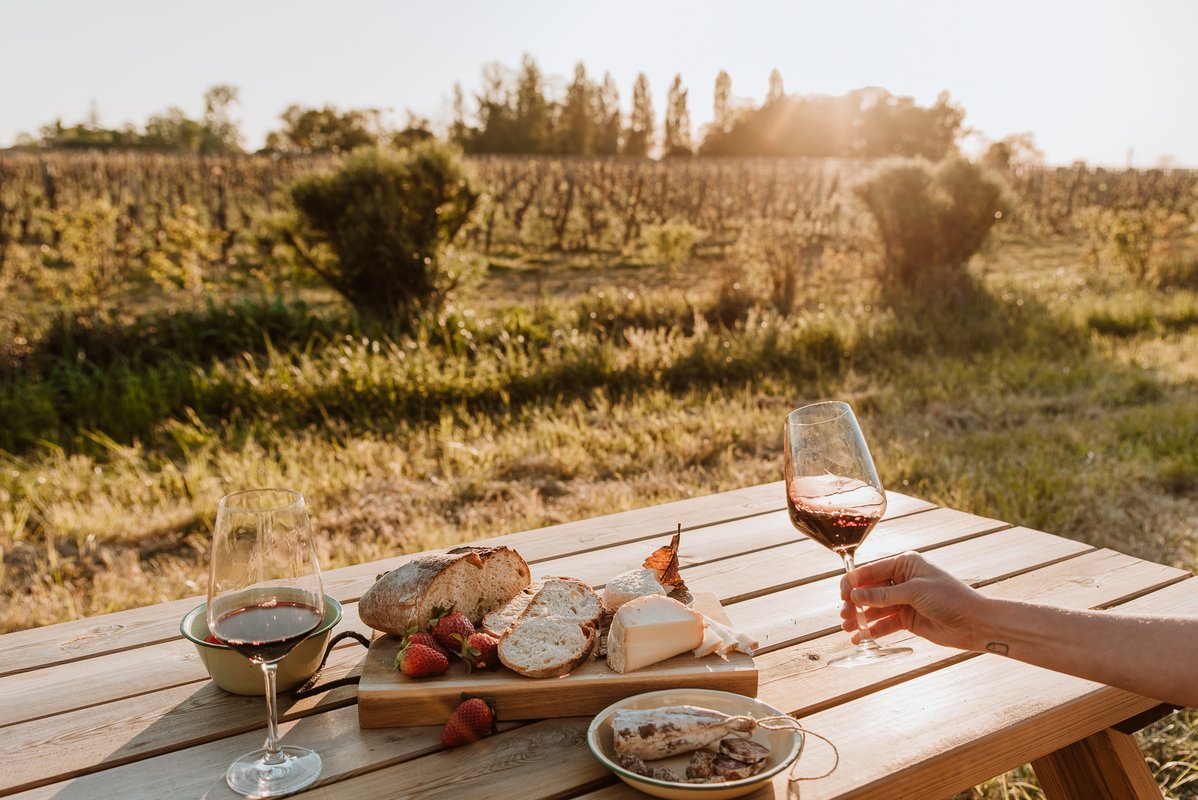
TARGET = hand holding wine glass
(834,495)
(264,597)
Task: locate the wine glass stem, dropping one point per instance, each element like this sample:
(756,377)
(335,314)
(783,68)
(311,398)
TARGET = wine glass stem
(273,754)
(865,642)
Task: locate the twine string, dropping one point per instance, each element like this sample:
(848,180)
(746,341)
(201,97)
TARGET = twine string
(785,722)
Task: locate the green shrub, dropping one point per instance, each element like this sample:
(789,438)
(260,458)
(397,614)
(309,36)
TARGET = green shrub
(1154,246)
(671,243)
(388,217)
(779,258)
(930,220)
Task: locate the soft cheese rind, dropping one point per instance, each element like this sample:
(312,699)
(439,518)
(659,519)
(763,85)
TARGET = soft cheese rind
(630,585)
(651,629)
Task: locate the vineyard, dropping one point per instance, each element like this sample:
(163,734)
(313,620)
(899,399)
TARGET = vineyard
(532,205)
(634,333)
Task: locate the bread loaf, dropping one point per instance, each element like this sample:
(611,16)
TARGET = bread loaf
(472,580)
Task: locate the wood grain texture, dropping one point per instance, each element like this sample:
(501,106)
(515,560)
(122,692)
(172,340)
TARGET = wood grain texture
(1105,766)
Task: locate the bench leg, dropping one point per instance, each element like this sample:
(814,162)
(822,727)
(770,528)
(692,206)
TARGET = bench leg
(1106,766)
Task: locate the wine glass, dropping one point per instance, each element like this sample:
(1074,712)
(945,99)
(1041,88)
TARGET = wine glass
(834,495)
(264,597)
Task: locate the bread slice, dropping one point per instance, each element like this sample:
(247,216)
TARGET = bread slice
(497,621)
(473,580)
(547,597)
(547,647)
(565,597)
(554,633)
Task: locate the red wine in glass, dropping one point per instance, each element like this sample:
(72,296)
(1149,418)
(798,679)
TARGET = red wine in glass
(268,630)
(264,596)
(836,511)
(834,495)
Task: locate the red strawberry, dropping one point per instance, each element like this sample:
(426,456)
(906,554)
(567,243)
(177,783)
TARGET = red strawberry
(417,636)
(420,661)
(473,719)
(480,650)
(447,624)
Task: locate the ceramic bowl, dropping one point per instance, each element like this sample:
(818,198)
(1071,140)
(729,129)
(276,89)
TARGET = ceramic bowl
(234,673)
(784,745)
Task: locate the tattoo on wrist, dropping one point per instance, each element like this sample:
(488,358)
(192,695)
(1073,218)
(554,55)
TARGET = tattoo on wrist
(998,647)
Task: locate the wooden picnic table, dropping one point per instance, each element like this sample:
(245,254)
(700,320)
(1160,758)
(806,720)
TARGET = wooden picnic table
(119,706)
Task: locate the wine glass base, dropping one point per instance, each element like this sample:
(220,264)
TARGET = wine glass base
(251,776)
(870,655)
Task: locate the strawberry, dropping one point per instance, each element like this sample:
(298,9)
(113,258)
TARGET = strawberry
(420,661)
(480,650)
(417,636)
(473,719)
(447,624)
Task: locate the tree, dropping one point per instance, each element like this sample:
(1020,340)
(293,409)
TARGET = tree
(678,122)
(638,140)
(84,135)
(457,129)
(897,126)
(223,134)
(721,105)
(496,131)
(865,123)
(607,117)
(531,123)
(1016,150)
(576,126)
(325,130)
(775,92)
(174,130)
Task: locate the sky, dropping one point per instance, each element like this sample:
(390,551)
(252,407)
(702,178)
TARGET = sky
(1110,83)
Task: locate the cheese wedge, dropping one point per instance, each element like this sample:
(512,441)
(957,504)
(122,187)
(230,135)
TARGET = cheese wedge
(651,629)
(630,585)
(722,640)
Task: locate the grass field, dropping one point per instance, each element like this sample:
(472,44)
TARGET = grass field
(1062,398)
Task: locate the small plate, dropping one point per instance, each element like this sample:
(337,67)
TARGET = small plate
(784,745)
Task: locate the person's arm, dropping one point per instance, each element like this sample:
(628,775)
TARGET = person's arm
(1149,655)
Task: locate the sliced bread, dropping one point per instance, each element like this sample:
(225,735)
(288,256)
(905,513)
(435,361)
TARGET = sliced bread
(554,633)
(473,580)
(547,597)
(497,621)
(547,647)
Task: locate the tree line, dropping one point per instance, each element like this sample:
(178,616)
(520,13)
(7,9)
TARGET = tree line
(521,112)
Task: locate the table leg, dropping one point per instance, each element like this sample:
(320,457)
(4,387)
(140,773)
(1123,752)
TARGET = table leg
(1106,766)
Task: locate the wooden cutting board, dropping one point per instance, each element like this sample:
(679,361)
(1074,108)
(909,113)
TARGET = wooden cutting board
(389,699)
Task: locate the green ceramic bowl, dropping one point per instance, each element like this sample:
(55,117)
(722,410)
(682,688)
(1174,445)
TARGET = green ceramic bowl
(234,673)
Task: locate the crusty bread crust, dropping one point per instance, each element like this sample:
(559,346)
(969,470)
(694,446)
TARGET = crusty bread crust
(468,579)
(529,637)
